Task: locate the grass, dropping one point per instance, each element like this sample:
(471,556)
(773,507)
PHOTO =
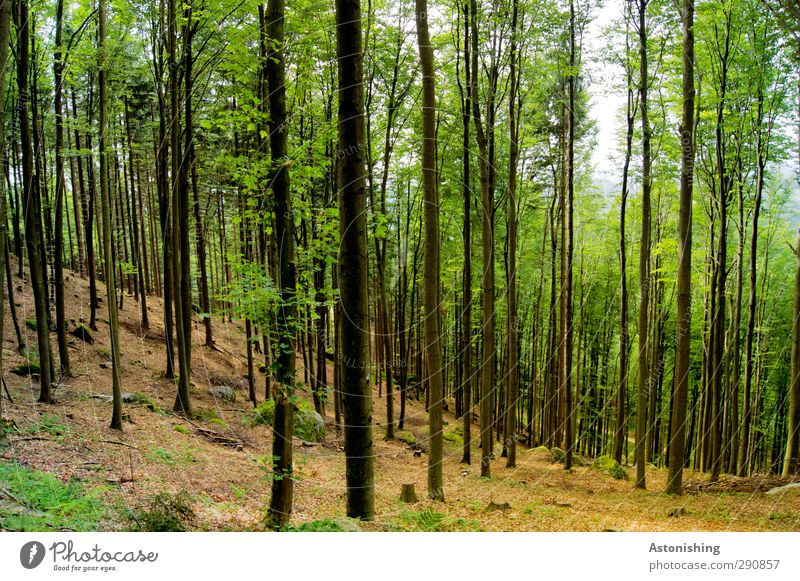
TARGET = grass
(49,424)
(170,458)
(31,500)
(429,521)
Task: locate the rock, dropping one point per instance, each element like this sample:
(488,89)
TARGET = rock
(83,333)
(794,486)
(102,397)
(408,494)
(558,454)
(677,511)
(223,392)
(347,525)
(497,506)
(610,466)
(309,425)
(407,438)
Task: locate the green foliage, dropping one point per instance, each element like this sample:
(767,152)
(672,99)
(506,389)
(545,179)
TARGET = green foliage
(23,369)
(37,501)
(50,424)
(328,525)
(164,513)
(429,521)
(182,429)
(31,324)
(171,458)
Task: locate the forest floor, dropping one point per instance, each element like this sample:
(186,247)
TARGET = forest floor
(109,480)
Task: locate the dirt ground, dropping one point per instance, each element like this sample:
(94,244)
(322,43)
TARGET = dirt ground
(162,452)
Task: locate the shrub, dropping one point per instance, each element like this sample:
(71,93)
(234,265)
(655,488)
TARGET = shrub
(165,513)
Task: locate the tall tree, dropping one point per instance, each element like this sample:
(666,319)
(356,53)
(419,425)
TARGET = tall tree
(683,337)
(512,349)
(58,255)
(34,240)
(630,118)
(466,274)
(5,37)
(644,253)
(280,506)
(433,349)
(105,201)
(791,462)
(352,266)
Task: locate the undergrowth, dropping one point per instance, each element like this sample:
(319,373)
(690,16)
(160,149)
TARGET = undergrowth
(31,500)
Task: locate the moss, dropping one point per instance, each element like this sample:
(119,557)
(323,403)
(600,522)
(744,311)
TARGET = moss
(454,437)
(558,454)
(24,369)
(31,324)
(406,437)
(182,430)
(610,466)
(83,333)
(308,424)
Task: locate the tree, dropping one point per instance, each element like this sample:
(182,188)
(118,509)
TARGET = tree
(105,201)
(631,106)
(5,37)
(58,258)
(280,506)
(352,266)
(34,240)
(433,330)
(644,254)
(791,462)
(683,329)
(512,321)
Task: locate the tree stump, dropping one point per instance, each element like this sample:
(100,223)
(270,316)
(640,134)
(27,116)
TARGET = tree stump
(408,494)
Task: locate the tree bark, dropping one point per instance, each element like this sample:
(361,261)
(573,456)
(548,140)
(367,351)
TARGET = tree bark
(352,265)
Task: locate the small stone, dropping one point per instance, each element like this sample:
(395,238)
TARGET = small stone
(497,506)
(223,392)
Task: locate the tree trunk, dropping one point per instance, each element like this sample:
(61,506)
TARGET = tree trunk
(683,338)
(644,257)
(352,264)
(280,505)
(433,350)
(31,205)
(58,255)
(791,462)
(105,200)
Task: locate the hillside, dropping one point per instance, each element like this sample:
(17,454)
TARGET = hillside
(115,480)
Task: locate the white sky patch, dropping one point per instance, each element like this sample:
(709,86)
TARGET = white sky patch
(605,100)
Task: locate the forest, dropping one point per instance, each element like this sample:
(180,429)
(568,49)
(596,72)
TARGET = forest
(394,265)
